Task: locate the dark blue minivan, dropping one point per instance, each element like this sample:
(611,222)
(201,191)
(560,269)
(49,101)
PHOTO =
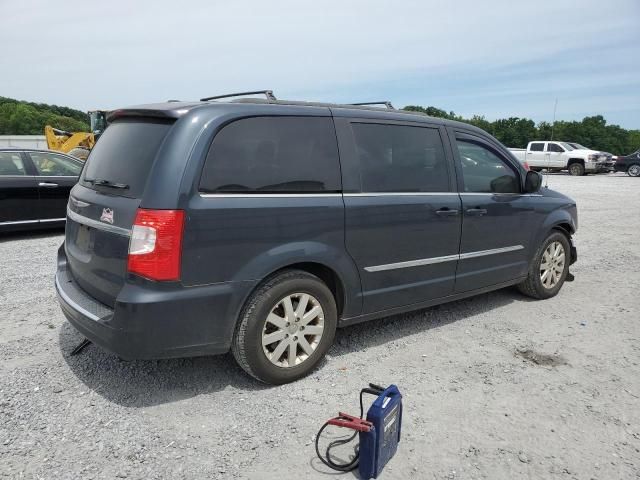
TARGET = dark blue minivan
(261,226)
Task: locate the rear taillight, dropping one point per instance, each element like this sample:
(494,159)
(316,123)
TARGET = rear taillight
(155,247)
(526,166)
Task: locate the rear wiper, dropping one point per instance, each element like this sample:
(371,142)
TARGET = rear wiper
(106,183)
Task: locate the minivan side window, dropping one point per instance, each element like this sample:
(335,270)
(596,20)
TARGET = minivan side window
(537,147)
(273,155)
(484,172)
(11,164)
(400,158)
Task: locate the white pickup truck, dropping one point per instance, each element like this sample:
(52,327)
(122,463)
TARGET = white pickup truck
(562,156)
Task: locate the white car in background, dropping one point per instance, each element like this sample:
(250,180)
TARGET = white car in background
(563,156)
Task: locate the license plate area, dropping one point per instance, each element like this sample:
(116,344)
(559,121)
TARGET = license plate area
(83,238)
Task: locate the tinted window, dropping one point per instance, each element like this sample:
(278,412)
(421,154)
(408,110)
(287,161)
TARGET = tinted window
(398,158)
(485,172)
(124,154)
(11,164)
(50,164)
(552,147)
(537,147)
(273,154)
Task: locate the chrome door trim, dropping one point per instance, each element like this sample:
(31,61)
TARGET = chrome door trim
(19,222)
(445,258)
(398,194)
(45,220)
(492,251)
(90,222)
(268,195)
(470,194)
(412,263)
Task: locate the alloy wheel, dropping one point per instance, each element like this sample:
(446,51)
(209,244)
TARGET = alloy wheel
(552,265)
(634,171)
(293,330)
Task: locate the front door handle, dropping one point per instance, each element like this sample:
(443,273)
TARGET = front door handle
(446,212)
(47,185)
(477,211)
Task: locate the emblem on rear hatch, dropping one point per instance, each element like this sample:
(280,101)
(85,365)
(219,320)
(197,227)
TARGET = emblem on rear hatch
(107,215)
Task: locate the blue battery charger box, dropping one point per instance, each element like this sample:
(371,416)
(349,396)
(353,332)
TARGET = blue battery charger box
(378,445)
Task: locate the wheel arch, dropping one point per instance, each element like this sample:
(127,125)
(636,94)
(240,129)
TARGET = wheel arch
(331,264)
(558,220)
(328,275)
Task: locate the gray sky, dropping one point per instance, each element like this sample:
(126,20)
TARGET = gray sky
(493,58)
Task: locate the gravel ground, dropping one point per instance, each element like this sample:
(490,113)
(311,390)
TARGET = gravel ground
(497,386)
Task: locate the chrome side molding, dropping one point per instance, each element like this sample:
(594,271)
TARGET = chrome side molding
(445,258)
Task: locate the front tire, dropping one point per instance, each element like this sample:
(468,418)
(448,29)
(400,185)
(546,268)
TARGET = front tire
(285,328)
(634,170)
(576,169)
(549,268)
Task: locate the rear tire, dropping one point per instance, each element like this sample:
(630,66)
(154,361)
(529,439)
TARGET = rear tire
(576,169)
(552,257)
(285,328)
(79,153)
(634,170)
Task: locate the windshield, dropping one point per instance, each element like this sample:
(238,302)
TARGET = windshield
(567,146)
(579,147)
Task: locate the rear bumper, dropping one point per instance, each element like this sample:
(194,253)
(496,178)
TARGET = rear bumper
(154,321)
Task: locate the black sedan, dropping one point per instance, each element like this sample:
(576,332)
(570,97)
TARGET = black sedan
(34,187)
(629,163)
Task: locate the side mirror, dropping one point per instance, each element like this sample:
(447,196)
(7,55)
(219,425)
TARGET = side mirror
(532,182)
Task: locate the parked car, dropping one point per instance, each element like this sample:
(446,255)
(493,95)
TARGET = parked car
(629,163)
(561,156)
(261,226)
(34,188)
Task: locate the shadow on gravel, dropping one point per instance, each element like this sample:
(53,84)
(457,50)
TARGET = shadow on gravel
(384,330)
(146,383)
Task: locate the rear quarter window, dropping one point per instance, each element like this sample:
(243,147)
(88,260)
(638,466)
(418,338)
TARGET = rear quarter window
(124,154)
(273,155)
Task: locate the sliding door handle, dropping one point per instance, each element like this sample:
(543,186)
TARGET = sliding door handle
(477,211)
(447,212)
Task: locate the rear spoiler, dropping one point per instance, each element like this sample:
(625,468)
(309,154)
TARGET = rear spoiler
(175,111)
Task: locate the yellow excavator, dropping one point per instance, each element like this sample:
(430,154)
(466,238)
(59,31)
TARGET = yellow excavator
(78,144)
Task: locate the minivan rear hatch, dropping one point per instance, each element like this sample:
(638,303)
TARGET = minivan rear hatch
(103,205)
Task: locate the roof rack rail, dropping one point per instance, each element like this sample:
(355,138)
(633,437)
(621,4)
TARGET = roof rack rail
(267,93)
(386,103)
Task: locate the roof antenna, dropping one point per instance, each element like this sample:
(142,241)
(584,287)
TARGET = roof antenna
(555,107)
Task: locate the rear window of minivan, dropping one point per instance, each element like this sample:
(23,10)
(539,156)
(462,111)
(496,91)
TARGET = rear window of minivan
(124,154)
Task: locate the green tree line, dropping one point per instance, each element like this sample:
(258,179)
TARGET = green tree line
(26,118)
(515,132)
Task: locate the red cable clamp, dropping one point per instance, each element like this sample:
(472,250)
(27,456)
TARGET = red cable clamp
(349,421)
